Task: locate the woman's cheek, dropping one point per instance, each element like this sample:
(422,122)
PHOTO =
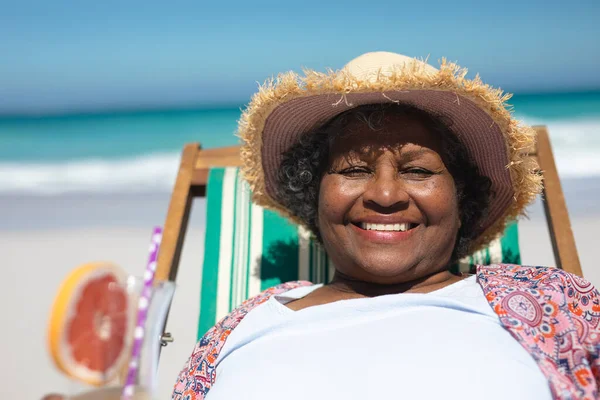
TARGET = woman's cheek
(436,199)
(329,204)
(336,197)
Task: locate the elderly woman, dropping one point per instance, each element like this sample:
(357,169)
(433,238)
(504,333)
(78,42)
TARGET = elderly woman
(398,169)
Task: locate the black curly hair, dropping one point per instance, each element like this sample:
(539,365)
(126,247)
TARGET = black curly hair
(304,164)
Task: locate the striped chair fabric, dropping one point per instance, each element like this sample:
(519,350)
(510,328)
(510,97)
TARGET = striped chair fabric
(249,249)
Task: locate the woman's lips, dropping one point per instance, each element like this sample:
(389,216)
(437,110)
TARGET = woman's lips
(383,236)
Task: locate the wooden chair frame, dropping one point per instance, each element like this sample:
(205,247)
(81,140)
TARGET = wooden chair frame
(193,176)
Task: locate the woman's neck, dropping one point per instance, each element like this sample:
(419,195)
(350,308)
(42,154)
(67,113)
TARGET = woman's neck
(345,284)
(343,287)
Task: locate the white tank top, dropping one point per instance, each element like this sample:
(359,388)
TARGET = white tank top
(447,344)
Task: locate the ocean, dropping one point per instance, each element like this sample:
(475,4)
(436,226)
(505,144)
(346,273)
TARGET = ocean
(139,151)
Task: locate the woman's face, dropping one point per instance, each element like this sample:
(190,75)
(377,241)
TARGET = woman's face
(388,209)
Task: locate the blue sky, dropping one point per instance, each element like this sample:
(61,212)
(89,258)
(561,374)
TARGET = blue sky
(58,56)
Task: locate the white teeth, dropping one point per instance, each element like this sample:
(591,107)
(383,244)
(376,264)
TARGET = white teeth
(384,227)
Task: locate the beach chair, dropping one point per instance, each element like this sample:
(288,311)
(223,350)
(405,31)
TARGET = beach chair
(248,249)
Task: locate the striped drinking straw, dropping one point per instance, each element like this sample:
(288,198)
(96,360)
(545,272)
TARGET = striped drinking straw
(143,303)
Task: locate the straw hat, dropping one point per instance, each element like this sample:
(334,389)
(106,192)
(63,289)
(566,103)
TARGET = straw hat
(291,105)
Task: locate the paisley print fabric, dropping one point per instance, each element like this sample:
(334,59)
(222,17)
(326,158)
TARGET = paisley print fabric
(553,314)
(556,317)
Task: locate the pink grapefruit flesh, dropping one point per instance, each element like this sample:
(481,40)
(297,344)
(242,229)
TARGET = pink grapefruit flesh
(90,324)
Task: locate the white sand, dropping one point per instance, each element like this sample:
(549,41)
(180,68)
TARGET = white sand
(43,239)
(38,261)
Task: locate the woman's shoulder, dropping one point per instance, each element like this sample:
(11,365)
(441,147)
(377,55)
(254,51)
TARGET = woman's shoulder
(555,315)
(199,373)
(531,275)
(539,285)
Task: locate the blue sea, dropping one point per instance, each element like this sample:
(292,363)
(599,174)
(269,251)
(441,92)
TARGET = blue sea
(139,151)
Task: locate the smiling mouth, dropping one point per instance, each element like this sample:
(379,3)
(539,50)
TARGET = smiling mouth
(403,227)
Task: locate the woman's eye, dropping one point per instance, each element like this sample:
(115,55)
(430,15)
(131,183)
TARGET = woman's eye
(355,171)
(417,172)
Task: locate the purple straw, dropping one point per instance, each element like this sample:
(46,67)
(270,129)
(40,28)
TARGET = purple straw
(143,303)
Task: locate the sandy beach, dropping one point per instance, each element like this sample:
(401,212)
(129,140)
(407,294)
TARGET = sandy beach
(45,237)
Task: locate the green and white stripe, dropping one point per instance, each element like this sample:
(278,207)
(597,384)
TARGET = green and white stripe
(249,249)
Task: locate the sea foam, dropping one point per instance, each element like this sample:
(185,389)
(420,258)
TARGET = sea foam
(575,143)
(154,172)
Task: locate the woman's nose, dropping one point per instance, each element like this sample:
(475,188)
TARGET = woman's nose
(386,190)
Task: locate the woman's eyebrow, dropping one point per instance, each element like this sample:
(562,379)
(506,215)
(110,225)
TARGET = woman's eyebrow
(416,153)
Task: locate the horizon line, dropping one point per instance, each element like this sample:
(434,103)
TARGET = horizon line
(200,106)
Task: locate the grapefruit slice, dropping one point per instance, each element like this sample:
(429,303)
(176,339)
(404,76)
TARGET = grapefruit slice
(90,327)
